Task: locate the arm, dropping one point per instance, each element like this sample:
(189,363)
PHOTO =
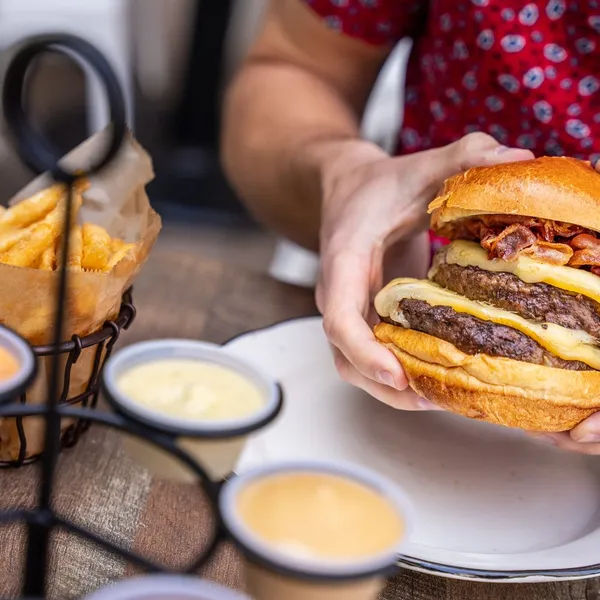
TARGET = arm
(292,149)
(293,106)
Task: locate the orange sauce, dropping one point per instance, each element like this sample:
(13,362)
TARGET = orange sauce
(9,366)
(320,515)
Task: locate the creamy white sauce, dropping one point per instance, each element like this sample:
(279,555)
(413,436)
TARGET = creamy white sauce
(191,389)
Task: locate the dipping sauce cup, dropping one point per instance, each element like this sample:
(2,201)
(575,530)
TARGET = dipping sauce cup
(165,587)
(17,365)
(208,399)
(316,531)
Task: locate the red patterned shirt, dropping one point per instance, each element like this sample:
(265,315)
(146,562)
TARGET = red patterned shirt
(528,73)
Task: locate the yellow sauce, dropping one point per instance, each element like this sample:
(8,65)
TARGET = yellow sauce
(9,365)
(318,515)
(191,389)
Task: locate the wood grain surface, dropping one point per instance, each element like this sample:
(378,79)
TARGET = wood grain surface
(98,487)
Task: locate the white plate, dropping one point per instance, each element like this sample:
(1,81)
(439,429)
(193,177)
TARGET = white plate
(491,503)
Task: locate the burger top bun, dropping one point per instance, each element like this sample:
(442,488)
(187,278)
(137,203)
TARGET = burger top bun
(553,188)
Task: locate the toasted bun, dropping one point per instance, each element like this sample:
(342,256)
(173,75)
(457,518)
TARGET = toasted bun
(548,188)
(499,390)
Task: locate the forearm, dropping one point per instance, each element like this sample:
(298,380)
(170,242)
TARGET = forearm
(281,125)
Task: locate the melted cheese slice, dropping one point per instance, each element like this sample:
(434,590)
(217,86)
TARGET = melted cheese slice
(567,343)
(471,254)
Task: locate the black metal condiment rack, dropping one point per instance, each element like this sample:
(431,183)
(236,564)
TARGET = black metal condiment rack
(40,155)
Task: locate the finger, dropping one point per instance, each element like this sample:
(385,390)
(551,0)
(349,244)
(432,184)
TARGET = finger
(565,442)
(596,163)
(346,305)
(402,400)
(475,149)
(588,431)
(320,295)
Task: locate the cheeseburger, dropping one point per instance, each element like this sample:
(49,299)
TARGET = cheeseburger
(506,328)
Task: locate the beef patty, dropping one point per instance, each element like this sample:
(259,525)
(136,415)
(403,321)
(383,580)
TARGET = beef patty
(475,336)
(534,301)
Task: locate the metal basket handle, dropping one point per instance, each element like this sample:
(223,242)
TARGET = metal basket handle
(36,151)
(41,156)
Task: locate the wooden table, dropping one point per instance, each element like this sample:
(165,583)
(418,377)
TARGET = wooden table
(184,295)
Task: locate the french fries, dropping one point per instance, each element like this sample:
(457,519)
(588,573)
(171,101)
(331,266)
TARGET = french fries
(36,207)
(48,259)
(96,247)
(10,238)
(75,248)
(32,209)
(39,237)
(31,234)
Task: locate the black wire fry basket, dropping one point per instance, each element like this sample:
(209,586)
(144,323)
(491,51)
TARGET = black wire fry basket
(20,449)
(61,356)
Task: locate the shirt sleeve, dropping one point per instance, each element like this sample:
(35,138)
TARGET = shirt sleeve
(377,22)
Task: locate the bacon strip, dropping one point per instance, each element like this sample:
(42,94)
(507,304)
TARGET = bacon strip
(565,230)
(553,242)
(584,240)
(587,251)
(548,252)
(588,257)
(546,229)
(508,243)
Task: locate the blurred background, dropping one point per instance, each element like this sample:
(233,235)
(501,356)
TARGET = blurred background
(174,58)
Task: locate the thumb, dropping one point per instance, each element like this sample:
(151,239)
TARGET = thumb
(588,430)
(474,150)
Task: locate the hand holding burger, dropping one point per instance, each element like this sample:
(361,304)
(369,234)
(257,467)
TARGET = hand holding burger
(507,326)
(374,205)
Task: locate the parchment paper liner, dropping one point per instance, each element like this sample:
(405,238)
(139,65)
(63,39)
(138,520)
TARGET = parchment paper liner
(116,200)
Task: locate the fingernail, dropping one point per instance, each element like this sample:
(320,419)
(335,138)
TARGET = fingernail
(425,404)
(502,149)
(386,378)
(543,438)
(587,438)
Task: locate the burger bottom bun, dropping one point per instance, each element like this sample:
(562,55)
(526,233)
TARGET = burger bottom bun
(494,389)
